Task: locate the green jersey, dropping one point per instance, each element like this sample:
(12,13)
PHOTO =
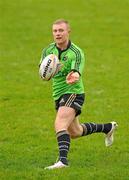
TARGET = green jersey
(72,59)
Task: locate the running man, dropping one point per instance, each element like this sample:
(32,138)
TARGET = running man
(69,94)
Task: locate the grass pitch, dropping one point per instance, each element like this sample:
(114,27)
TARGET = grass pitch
(27,138)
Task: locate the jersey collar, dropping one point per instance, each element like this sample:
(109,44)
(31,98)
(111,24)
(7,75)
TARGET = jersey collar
(69,44)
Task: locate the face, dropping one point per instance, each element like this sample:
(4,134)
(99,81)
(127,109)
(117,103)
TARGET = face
(60,33)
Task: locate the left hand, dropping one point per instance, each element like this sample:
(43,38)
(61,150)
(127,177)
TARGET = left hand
(72,77)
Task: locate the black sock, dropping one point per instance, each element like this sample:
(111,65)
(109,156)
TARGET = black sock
(89,128)
(63,139)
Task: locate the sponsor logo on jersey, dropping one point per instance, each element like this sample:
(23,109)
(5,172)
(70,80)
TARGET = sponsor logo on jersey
(62,100)
(65,58)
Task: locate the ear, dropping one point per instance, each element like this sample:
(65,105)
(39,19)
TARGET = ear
(69,30)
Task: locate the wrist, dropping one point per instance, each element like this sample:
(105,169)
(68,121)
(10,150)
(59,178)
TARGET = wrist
(74,70)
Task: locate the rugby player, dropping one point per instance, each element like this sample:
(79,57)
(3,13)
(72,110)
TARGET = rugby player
(69,94)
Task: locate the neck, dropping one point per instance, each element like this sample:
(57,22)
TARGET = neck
(63,46)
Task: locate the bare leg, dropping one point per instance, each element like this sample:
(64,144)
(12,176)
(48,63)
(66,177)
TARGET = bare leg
(64,118)
(75,129)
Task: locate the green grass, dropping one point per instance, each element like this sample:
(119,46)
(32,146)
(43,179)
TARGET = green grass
(27,137)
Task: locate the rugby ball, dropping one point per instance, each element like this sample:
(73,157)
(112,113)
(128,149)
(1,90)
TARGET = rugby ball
(49,67)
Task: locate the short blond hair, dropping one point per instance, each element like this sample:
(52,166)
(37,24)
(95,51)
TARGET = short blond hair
(59,21)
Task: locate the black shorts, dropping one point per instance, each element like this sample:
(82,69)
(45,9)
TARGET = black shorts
(74,101)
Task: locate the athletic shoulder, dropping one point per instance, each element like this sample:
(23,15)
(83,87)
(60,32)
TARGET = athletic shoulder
(77,51)
(48,48)
(46,51)
(74,47)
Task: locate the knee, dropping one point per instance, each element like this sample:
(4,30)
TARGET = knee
(73,134)
(75,131)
